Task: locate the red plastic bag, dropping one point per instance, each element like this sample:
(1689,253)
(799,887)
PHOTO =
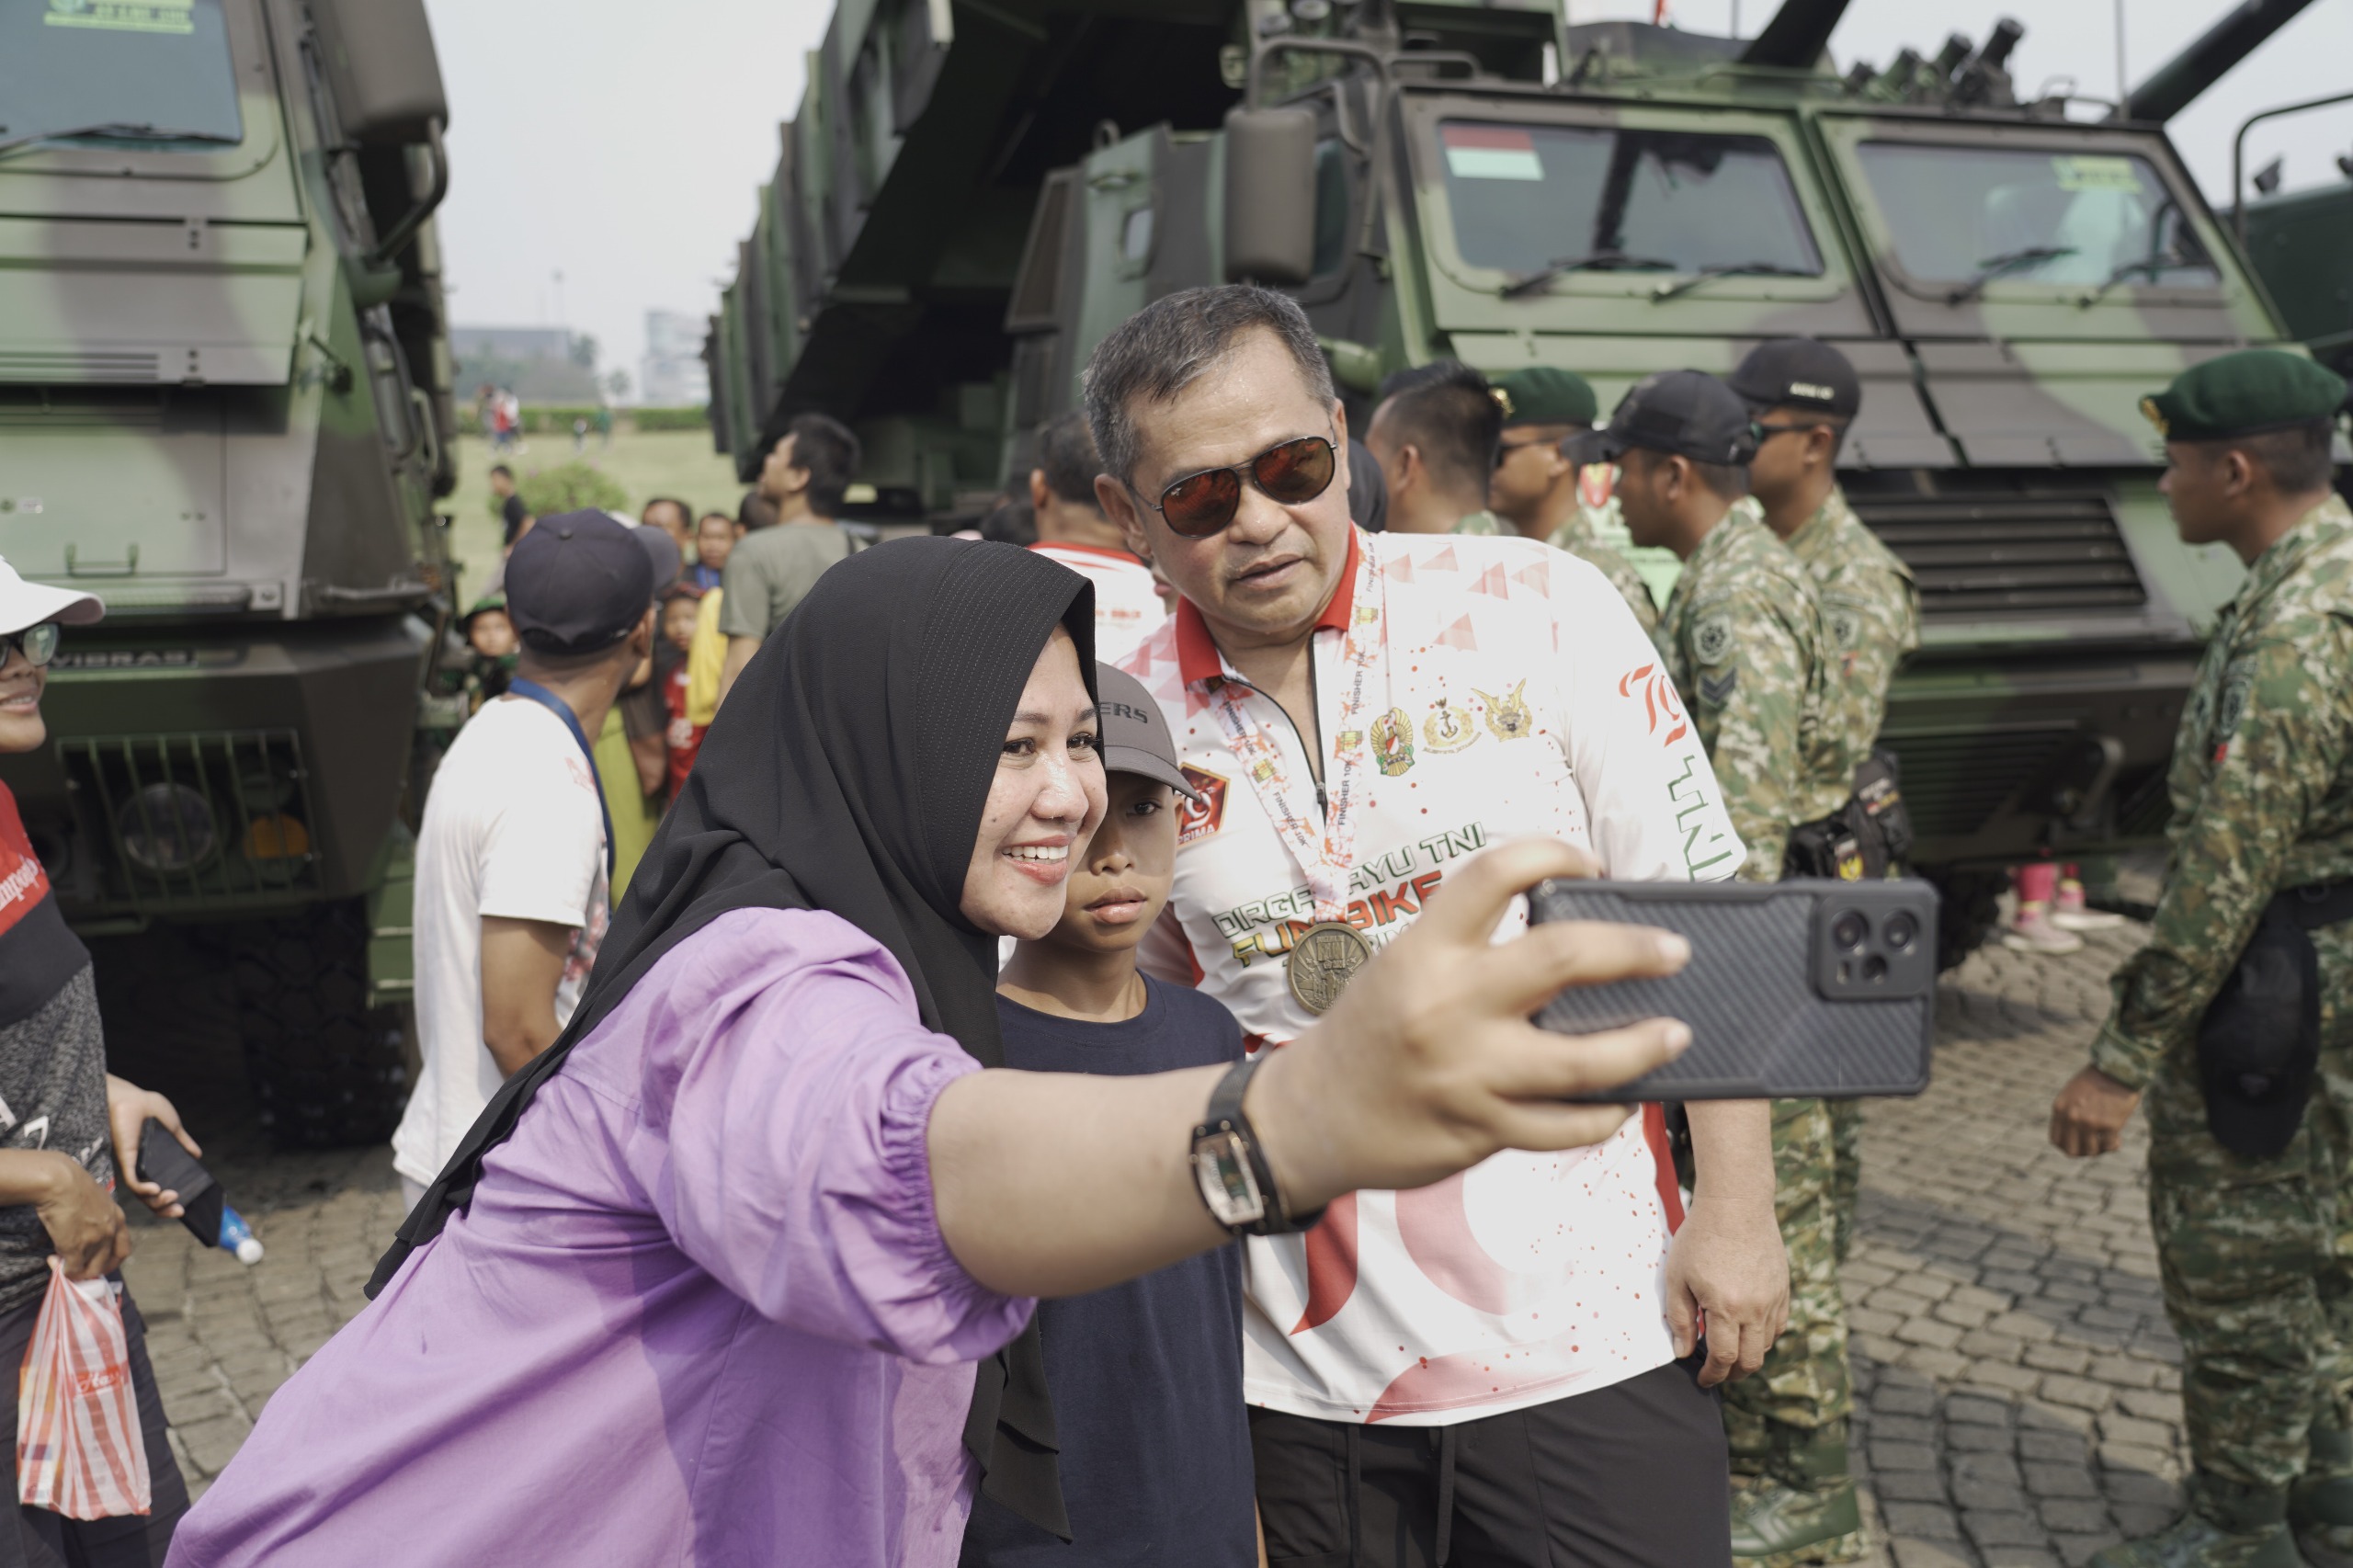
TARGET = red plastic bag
(79,1449)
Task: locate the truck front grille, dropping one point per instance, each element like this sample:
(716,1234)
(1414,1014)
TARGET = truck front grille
(2037,555)
(216,820)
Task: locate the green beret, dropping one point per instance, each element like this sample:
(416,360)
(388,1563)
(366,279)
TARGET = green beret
(1543,395)
(2244,393)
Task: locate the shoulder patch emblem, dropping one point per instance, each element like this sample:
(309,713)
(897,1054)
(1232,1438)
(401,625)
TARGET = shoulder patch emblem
(2237,681)
(1846,625)
(1199,819)
(1711,637)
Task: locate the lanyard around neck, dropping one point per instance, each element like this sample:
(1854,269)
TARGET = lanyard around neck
(522,686)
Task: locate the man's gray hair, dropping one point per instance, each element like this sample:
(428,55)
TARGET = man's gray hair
(1167,345)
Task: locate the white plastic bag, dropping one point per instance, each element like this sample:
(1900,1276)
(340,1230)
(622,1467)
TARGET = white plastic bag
(79,1449)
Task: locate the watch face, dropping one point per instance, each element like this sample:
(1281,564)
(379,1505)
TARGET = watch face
(1222,1166)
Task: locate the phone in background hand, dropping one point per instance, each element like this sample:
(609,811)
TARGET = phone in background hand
(1801,989)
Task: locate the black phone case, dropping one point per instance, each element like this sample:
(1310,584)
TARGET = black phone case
(1780,1004)
(173,1168)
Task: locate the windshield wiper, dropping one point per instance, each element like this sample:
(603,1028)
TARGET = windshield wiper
(1599,261)
(1725,270)
(121,130)
(2002,265)
(2152,263)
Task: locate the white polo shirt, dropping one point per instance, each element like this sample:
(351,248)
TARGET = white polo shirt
(1126,602)
(1513,694)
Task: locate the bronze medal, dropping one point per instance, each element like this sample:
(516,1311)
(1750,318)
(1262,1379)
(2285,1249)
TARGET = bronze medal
(1325,958)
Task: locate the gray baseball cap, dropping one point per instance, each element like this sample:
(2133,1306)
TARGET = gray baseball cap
(1135,732)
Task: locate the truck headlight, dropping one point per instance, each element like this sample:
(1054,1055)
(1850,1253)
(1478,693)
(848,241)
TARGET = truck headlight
(166,829)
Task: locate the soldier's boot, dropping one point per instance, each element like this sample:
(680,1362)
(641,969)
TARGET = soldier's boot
(2228,1525)
(2320,1506)
(1802,1510)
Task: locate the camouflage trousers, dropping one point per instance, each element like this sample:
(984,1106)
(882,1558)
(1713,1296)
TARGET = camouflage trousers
(1846,1171)
(1803,1386)
(2257,1259)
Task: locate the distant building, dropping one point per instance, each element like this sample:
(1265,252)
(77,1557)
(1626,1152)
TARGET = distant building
(539,364)
(672,374)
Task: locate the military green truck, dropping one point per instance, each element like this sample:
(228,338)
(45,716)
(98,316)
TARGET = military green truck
(970,197)
(224,408)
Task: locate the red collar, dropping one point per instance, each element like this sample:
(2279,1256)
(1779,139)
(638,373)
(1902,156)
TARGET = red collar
(1197,655)
(1105,550)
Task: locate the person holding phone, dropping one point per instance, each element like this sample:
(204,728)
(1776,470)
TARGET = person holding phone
(1493,1363)
(1743,640)
(2233,1017)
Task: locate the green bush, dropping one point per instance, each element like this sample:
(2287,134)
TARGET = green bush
(670,418)
(571,487)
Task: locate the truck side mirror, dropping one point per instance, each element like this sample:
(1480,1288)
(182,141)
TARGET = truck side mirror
(1270,195)
(381,67)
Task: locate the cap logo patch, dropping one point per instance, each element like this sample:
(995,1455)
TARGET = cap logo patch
(2156,415)
(1812,388)
(1503,401)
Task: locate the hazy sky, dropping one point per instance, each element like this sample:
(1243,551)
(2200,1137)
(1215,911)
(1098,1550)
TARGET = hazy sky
(620,144)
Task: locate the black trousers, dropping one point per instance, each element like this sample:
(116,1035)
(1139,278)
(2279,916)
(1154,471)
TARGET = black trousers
(1630,1476)
(43,1539)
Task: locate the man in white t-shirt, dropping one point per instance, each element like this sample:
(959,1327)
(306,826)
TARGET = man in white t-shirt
(1072,530)
(1492,1364)
(514,859)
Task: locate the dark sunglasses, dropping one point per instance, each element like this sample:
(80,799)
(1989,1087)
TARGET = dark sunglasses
(1200,504)
(36,643)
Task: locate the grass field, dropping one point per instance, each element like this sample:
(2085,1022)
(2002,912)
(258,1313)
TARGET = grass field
(659,462)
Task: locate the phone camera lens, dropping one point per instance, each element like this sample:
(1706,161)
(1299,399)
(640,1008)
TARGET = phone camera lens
(1850,930)
(1875,969)
(1902,931)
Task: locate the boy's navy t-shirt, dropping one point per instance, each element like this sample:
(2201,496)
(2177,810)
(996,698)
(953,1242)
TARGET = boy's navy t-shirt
(1146,1377)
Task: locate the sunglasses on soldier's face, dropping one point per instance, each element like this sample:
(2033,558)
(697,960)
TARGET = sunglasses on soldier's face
(1289,474)
(36,643)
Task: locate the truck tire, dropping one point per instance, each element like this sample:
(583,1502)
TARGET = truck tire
(1968,908)
(327,1070)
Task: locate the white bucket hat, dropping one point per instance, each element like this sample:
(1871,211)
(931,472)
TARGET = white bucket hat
(24,604)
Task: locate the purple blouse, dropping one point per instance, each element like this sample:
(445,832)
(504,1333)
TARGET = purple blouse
(699,1311)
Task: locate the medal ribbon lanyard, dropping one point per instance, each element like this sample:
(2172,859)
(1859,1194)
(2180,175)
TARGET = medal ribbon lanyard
(519,686)
(1326,856)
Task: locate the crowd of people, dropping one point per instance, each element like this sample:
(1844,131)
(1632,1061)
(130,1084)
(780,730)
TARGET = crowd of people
(941,1052)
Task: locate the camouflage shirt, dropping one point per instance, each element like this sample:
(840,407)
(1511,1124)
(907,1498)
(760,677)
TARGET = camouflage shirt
(2262,787)
(1577,536)
(1871,610)
(1742,636)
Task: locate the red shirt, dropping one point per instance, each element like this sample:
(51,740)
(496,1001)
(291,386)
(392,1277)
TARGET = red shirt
(684,737)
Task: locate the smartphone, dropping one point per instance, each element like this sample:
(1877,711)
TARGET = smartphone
(173,1168)
(1802,989)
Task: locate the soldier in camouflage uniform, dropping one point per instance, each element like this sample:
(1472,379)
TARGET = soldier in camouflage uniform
(1742,637)
(1805,393)
(2247,1192)
(1535,490)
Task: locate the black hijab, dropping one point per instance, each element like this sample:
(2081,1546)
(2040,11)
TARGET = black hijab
(848,772)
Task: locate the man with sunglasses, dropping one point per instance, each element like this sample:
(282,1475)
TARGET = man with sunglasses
(1538,493)
(1489,1367)
(1743,640)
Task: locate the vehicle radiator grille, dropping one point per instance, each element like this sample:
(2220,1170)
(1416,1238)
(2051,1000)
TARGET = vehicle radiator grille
(1953,784)
(2022,556)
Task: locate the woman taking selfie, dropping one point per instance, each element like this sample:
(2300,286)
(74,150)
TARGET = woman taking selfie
(750,1281)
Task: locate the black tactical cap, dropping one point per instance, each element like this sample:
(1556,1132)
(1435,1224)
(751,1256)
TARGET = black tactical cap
(577,582)
(1688,413)
(1799,372)
(1135,731)
(2244,393)
(1540,395)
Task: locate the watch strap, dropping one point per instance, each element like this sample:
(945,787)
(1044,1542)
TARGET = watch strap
(1225,1115)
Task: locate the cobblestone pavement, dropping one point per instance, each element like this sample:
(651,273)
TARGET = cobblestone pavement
(2015,1381)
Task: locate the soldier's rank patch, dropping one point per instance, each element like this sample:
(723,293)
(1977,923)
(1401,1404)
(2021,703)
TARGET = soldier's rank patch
(1715,690)
(1711,639)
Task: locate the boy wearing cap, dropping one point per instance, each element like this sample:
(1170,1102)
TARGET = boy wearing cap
(1742,638)
(2248,1103)
(1540,493)
(514,858)
(1147,1376)
(66,1124)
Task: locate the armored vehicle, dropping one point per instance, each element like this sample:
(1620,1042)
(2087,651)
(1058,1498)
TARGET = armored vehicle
(970,197)
(224,408)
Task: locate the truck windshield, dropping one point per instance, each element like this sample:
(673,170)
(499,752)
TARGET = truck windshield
(1526,197)
(2038,216)
(134,70)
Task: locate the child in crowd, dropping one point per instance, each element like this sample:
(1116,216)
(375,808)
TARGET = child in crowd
(715,536)
(1146,1377)
(491,634)
(684,736)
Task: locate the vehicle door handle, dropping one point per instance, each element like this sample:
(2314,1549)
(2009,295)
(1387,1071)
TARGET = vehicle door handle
(127,566)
